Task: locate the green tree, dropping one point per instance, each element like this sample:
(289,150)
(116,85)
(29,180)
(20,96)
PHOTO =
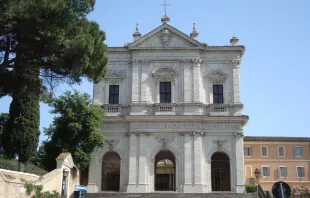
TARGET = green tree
(75,129)
(3,120)
(44,43)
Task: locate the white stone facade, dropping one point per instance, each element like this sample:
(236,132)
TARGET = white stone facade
(191,126)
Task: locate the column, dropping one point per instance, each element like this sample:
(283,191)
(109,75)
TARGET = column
(236,81)
(135,88)
(133,166)
(239,176)
(188,160)
(198,163)
(187,83)
(143,166)
(196,80)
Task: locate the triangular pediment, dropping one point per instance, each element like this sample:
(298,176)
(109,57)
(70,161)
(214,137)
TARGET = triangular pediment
(217,76)
(165,36)
(114,74)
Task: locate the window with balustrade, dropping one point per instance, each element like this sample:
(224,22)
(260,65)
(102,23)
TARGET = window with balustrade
(218,96)
(165,92)
(114,94)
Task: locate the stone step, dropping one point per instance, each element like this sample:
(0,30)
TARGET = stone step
(171,195)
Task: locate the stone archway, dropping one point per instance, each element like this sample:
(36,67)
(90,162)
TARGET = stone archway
(165,169)
(110,172)
(220,172)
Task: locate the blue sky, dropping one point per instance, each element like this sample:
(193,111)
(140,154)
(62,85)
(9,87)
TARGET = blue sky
(275,68)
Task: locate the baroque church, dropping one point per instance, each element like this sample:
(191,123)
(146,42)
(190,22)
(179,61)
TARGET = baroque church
(173,116)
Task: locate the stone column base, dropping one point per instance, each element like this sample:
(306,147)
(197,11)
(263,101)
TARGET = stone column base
(138,188)
(92,188)
(197,188)
(240,189)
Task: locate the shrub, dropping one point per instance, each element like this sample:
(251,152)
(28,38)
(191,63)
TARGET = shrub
(250,188)
(301,192)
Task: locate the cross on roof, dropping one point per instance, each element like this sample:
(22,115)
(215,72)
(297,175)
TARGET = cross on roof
(165,5)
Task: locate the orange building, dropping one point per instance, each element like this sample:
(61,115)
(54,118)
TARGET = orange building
(279,159)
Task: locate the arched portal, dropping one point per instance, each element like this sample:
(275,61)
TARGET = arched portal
(110,172)
(220,172)
(165,171)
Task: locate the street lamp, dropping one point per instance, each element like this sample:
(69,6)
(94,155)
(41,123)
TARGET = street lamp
(65,174)
(257,174)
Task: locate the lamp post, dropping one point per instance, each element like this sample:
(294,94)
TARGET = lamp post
(257,174)
(65,174)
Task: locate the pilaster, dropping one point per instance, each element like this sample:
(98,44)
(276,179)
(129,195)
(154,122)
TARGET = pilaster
(144,88)
(143,165)
(188,82)
(239,175)
(133,165)
(198,162)
(236,80)
(135,83)
(196,80)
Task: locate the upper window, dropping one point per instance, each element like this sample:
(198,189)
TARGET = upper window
(264,151)
(165,92)
(282,172)
(298,150)
(265,171)
(247,151)
(113,94)
(218,97)
(281,151)
(300,171)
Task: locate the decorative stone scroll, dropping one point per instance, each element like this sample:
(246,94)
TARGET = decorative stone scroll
(111,144)
(217,77)
(219,144)
(164,140)
(236,62)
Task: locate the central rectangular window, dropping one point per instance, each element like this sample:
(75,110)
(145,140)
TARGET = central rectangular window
(165,92)
(300,172)
(266,171)
(264,151)
(218,97)
(282,171)
(281,151)
(247,151)
(113,94)
(298,151)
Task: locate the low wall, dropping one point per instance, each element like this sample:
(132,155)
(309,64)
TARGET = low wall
(12,183)
(171,195)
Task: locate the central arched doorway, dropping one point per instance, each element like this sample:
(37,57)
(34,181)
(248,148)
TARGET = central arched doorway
(220,172)
(110,172)
(165,171)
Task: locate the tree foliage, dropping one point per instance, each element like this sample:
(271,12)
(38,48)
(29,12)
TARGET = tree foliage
(75,129)
(3,120)
(43,43)
(54,36)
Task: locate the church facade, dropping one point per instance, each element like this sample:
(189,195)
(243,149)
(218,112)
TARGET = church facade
(174,117)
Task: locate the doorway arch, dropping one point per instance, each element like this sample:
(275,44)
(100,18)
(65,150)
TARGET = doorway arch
(165,169)
(220,172)
(110,172)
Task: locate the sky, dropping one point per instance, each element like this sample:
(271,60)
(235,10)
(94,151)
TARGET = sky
(275,68)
